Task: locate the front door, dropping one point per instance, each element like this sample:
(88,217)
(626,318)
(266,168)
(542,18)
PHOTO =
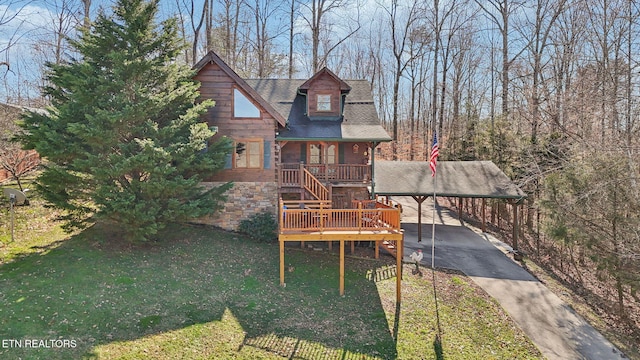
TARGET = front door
(320,157)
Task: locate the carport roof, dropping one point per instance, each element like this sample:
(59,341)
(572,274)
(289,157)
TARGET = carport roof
(471,179)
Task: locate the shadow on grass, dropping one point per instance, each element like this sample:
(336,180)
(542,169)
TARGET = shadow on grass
(437,342)
(94,293)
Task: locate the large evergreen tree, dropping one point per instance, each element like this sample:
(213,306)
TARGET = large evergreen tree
(123,137)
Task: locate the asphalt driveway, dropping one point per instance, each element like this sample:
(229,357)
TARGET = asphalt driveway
(550,323)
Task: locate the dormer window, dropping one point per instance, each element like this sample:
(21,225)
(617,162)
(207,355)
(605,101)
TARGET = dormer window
(323,103)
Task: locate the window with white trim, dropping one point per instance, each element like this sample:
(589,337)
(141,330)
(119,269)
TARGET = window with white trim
(323,103)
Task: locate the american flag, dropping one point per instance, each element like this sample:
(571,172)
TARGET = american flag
(435,151)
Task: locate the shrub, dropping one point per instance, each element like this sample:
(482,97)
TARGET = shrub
(261,226)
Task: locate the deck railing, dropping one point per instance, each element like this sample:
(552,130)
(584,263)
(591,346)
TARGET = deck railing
(296,219)
(377,203)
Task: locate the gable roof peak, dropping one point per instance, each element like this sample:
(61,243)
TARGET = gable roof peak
(343,85)
(212,57)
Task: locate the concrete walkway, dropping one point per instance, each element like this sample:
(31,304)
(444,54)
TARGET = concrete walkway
(550,323)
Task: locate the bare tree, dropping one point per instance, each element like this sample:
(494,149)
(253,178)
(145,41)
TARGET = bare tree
(608,29)
(10,11)
(231,17)
(546,15)
(265,17)
(87,14)
(52,42)
(456,18)
(499,13)
(292,16)
(317,15)
(403,22)
(196,17)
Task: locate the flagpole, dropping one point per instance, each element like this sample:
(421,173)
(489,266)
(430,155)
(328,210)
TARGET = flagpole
(433,224)
(433,161)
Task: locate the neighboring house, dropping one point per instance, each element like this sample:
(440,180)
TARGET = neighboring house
(309,139)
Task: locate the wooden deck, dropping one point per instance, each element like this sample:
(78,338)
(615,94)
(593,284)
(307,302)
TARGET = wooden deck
(317,221)
(317,216)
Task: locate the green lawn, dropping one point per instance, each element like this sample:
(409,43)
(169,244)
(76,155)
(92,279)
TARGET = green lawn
(202,293)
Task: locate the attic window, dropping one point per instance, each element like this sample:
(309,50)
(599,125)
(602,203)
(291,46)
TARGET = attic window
(324,103)
(243,107)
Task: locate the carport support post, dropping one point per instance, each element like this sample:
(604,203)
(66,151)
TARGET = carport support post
(514,204)
(420,199)
(484,215)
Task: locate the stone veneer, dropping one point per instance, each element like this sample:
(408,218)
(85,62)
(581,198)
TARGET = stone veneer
(244,199)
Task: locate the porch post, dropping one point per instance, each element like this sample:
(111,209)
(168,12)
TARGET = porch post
(373,165)
(301,179)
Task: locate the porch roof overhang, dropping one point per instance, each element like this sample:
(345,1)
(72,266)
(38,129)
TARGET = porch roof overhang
(468,179)
(330,139)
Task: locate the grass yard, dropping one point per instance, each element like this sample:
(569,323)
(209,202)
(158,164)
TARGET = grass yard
(203,293)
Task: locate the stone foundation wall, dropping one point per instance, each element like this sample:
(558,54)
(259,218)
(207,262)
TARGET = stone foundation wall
(243,200)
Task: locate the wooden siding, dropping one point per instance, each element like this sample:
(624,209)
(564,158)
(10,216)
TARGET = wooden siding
(217,85)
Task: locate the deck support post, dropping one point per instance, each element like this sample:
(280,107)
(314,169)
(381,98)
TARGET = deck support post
(281,263)
(399,255)
(341,267)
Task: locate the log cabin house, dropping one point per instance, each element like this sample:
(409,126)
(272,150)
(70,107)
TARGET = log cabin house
(308,140)
(302,149)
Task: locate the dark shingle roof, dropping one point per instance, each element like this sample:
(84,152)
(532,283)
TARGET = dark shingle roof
(360,121)
(479,179)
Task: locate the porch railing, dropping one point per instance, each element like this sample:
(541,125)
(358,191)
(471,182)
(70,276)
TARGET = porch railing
(290,173)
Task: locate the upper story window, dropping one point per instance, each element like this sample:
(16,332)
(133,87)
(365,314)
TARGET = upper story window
(243,107)
(324,103)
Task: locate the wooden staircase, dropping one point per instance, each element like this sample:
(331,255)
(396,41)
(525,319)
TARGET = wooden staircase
(315,187)
(391,247)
